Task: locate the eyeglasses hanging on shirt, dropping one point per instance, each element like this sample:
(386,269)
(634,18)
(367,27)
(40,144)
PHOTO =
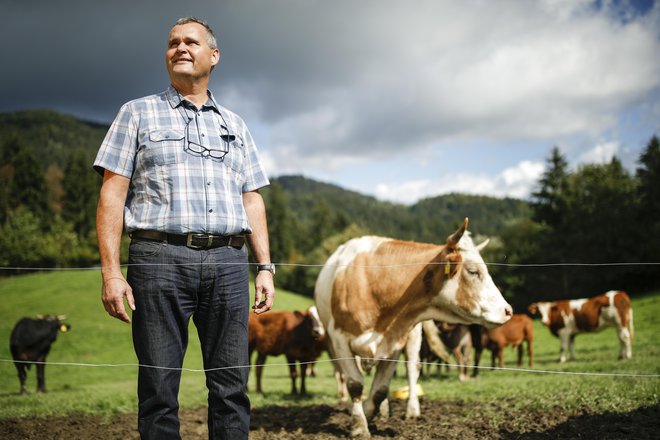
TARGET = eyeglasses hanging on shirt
(194,144)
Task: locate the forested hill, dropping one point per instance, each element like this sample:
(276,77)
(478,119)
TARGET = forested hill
(430,220)
(51,136)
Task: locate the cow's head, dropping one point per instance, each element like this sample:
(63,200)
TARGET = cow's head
(318,331)
(468,290)
(541,309)
(56,319)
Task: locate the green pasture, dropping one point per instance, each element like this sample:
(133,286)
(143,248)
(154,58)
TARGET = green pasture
(102,385)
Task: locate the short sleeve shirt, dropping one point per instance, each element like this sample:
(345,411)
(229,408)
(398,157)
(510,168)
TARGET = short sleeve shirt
(188,167)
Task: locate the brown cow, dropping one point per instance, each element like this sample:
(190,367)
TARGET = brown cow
(567,318)
(299,335)
(372,291)
(516,331)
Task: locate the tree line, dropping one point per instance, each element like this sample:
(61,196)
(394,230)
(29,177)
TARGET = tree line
(584,231)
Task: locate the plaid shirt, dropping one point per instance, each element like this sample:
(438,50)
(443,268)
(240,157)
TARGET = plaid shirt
(188,168)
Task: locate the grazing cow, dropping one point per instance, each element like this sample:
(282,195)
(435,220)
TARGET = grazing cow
(567,318)
(519,329)
(372,291)
(299,335)
(30,342)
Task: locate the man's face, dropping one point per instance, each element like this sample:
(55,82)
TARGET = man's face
(188,53)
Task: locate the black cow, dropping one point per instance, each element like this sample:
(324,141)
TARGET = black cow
(30,342)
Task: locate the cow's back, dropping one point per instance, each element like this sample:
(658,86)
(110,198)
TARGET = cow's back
(366,279)
(517,329)
(32,337)
(271,331)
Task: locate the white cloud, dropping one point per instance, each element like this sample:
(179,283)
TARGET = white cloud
(517,181)
(600,154)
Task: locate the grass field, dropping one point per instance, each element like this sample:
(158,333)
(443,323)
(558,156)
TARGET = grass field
(97,339)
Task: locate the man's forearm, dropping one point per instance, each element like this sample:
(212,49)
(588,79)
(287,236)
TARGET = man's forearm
(258,240)
(109,223)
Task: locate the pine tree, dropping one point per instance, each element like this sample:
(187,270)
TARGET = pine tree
(280,225)
(80,185)
(28,187)
(648,177)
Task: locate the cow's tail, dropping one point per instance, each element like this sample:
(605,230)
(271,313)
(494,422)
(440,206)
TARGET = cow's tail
(631,327)
(433,338)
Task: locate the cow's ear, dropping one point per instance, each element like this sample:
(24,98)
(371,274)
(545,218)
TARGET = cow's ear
(299,314)
(454,238)
(482,245)
(533,308)
(452,265)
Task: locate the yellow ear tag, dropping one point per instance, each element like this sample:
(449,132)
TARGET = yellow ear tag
(63,328)
(447,268)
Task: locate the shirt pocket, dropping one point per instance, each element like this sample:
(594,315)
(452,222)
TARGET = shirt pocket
(235,157)
(165,147)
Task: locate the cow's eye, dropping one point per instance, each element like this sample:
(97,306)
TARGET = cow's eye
(473,272)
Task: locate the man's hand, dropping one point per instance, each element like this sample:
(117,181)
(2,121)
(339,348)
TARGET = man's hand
(264,294)
(113,292)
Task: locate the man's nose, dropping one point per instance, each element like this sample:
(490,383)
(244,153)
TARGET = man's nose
(182,47)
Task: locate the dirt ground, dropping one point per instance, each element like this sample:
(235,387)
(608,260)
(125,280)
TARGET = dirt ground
(440,420)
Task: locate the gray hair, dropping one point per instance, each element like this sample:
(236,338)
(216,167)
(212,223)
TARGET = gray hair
(210,36)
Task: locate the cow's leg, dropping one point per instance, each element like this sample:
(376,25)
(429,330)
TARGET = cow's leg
(303,375)
(347,366)
(41,375)
(571,346)
(477,358)
(625,342)
(530,353)
(22,375)
(520,354)
(380,387)
(500,355)
(564,340)
(261,361)
(293,374)
(412,355)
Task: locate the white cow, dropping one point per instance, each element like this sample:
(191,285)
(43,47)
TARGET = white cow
(371,293)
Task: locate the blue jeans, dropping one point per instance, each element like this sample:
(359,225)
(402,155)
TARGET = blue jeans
(170,284)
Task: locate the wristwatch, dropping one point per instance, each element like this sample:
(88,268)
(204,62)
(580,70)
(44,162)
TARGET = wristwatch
(269,267)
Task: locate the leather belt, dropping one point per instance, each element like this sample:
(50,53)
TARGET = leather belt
(191,240)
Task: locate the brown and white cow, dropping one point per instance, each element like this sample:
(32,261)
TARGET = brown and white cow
(299,335)
(372,291)
(567,318)
(519,329)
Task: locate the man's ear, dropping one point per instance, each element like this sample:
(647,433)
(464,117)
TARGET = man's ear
(215,57)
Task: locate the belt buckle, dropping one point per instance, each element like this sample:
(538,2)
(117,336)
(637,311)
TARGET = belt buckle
(192,235)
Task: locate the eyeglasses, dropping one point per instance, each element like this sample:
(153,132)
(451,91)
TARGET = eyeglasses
(202,150)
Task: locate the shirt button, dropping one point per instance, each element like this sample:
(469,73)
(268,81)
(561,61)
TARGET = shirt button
(208,183)
(210,210)
(203,135)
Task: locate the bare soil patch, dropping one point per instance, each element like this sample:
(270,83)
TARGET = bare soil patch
(440,420)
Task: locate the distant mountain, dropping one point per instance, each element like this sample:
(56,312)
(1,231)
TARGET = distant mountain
(429,220)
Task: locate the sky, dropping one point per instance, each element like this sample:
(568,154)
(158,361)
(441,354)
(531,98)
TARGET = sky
(398,100)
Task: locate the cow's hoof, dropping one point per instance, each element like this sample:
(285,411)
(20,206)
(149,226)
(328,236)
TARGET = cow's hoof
(413,410)
(360,432)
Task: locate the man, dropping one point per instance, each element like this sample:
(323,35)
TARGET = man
(184,172)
